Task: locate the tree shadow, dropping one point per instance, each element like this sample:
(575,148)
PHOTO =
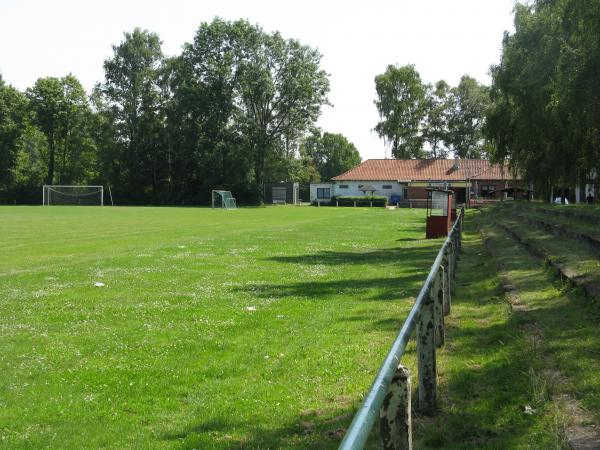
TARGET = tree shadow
(412,256)
(380,289)
(315,429)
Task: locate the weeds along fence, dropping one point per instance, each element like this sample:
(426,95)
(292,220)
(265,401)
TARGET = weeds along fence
(389,398)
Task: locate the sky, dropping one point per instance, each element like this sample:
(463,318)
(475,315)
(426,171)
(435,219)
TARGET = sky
(358,40)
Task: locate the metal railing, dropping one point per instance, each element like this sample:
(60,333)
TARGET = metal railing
(389,398)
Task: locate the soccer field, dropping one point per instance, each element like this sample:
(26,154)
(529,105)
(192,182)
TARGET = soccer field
(254,328)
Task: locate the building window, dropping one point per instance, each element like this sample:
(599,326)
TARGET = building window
(324,193)
(405,193)
(343,186)
(386,186)
(487,190)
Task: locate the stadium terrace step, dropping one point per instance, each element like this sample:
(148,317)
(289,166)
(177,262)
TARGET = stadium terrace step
(590,286)
(561,230)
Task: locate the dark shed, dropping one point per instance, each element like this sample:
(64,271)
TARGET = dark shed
(282,193)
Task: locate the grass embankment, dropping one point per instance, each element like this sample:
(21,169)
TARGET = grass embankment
(255,328)
(510,376)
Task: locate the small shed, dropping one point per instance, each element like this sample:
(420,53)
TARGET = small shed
(282,193)
(440,212)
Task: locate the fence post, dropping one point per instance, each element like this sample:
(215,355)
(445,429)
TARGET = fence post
(438,307)
(451,262)
(426,356)
(395,423)
(446,284)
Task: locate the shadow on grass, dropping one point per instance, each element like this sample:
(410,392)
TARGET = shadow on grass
(414,262)
(379,289)
(421,256)
(315,429)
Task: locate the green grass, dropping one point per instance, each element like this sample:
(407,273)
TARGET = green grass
(255,328)
(498,361)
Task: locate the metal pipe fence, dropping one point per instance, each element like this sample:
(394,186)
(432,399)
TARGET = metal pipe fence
(389,398)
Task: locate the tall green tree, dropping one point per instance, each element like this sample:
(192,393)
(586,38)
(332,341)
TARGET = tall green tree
(61,111)
(468,104)
(46,98)
(401,106)
(523,122)
(206,150)
(13,112)
(332,154)
(281,90)
(435,127)
(132,95)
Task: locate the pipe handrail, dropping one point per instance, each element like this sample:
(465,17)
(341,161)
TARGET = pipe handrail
(358,433)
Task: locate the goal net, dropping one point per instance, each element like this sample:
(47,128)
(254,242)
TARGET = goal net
(223,199)
(73,195)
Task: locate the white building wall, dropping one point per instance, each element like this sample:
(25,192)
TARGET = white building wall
(354,188)
(313,191)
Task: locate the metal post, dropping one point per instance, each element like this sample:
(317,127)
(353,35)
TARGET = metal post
(437,292)
(426,356)
(395,423)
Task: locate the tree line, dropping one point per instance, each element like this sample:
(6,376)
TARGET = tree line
(544,116)
(420,120)
(236,108)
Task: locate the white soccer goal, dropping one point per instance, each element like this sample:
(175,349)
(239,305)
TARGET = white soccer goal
(223,199)
(73,195)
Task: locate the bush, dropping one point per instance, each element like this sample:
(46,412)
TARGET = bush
(363,200)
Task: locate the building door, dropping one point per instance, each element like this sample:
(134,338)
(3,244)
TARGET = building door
(461,195)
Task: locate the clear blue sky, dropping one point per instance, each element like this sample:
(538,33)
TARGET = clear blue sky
(358,39)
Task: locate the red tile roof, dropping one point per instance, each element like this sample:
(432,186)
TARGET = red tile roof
(425,170)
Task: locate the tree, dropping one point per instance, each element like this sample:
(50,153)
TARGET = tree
(206,148)
(132,95)
(60,109)
(46,100)
(13,111)
(281,89)
(435,128)
(468,105)
(331,154)
(401,106)
(522,121)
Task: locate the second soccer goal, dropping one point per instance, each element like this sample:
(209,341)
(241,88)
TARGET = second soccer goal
(223,199)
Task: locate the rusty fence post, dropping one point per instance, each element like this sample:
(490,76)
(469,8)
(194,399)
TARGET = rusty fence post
(395,423)
(426,356)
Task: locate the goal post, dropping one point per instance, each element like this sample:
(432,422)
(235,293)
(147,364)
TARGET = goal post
(223,199)
(54,194)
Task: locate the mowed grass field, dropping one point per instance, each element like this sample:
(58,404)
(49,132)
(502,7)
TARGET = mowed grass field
(254,328)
